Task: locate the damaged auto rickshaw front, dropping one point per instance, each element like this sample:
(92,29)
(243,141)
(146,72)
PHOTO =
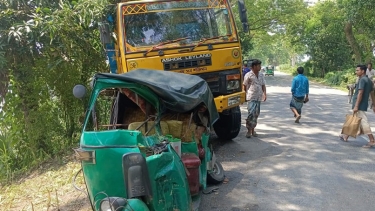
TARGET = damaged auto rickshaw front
(144,144)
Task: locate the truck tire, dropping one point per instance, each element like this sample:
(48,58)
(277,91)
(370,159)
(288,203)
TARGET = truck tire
(216,176)
(229,124)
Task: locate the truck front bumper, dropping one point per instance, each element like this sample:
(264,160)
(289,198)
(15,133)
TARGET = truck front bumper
(229,101)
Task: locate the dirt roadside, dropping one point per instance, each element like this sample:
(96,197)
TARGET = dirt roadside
(49,188)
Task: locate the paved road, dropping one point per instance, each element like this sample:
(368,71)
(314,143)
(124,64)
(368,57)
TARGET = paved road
(296,166)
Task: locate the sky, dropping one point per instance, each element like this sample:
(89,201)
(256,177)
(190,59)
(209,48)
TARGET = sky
(311,2)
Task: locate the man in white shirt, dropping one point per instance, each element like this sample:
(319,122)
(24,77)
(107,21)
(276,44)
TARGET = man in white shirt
(370,72)
(371,75)
(255,87)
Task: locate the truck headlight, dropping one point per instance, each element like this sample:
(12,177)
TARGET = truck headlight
(234,100)
(233,85)
(112,204)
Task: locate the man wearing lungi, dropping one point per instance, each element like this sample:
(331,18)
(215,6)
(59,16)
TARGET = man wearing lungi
(255,87)
(300,93)
(363,89)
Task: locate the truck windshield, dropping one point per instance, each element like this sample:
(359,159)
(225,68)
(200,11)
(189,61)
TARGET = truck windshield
(160,22)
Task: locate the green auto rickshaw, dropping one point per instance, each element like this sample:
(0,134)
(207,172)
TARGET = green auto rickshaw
(144,143)
(270,70)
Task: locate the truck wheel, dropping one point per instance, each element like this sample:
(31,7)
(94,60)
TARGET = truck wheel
(228,125)
(216,176)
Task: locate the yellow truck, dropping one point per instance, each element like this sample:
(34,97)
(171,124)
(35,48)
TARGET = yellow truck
(187,36)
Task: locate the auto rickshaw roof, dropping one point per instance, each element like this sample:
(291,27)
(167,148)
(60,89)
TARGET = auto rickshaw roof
(179,92)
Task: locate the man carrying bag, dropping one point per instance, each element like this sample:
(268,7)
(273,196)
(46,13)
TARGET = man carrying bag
(352,126)
(357,123)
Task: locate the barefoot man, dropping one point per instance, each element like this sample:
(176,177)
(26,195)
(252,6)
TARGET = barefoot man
(300,93)
(255,86)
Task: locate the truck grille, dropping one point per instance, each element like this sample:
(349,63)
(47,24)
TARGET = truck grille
(187,64)
(218,83)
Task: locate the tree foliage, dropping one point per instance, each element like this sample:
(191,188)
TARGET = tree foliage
(359,16)
(333,35)
(323,34)
(269,21)
(46,47)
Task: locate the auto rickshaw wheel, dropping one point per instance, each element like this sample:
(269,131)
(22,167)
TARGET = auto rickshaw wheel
(228,125)
(216,176)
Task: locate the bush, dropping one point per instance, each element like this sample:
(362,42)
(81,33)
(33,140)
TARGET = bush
(350,76)
(309,70)
(334,78)
(286,68)
(341,78)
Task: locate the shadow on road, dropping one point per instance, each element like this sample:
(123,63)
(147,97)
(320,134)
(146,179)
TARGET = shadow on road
(295,166)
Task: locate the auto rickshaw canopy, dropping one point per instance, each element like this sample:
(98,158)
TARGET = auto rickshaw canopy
(164,90)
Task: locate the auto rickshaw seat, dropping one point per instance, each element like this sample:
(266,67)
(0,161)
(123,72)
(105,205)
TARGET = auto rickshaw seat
(136,126)
(169,127)
(180,126)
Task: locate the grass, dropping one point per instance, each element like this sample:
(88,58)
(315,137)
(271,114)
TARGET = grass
(47,188)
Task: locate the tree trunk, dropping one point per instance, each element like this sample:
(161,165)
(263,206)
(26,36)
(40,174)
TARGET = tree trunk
(293,60)
(353,42)
(4,82)
(370,52)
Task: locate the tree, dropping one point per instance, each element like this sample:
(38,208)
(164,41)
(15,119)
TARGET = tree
(266,18)
(359,32)
(46,47)
(322,34)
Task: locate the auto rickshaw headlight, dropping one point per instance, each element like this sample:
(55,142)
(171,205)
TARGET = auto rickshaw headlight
(105,205)
(112,204)
(233,85)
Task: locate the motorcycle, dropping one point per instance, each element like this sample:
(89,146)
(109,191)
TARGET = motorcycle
(144,144)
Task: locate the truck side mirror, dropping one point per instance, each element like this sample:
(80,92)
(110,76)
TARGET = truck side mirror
(79,91)
(105,34)
(243,15)
(108,43)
